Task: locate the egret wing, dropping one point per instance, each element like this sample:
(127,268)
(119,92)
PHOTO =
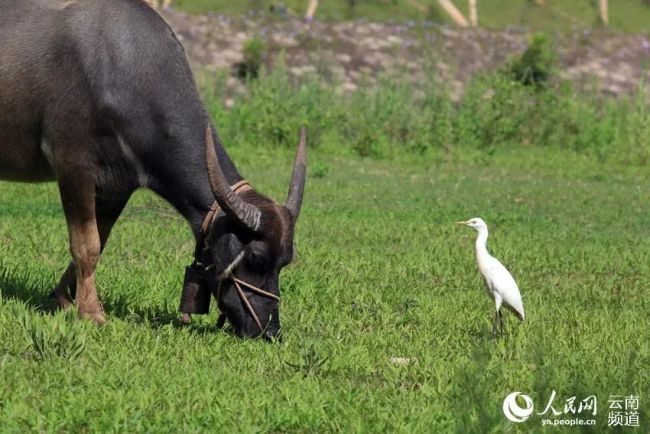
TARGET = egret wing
(501,281)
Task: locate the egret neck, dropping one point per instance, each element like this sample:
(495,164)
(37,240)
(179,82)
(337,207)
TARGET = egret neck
(481,247)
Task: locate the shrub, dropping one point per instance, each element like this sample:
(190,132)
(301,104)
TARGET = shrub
(535,66)
(254,52)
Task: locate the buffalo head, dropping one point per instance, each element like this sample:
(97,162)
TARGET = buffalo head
(247,246)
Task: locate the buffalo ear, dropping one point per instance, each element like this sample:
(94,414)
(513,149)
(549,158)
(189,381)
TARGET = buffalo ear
(297,186)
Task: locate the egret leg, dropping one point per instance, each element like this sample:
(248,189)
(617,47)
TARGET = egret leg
(494,325)
(497,315)
(501,322)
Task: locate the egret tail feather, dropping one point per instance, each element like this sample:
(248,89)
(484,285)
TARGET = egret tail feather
(518,314)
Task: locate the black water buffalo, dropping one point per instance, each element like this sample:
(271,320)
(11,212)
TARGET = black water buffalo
(98,96)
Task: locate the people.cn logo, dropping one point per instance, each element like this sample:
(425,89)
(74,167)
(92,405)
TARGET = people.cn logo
(513,411)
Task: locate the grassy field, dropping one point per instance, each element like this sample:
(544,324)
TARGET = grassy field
(380,272)
(625,15)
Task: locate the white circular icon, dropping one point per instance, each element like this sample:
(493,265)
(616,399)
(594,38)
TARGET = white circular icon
(512,410)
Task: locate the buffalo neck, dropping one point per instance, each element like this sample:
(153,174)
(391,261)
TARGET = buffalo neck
(182,178)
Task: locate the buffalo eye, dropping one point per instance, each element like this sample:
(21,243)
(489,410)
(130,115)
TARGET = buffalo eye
(257,259)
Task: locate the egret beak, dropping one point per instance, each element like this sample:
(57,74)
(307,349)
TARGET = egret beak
(461,223)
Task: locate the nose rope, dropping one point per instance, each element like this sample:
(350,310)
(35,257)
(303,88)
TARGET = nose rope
(238,283)
(255,288)
(247,304)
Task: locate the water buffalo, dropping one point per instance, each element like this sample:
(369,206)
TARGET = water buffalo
(98,96)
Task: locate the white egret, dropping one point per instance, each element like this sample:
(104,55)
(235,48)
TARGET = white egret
(499,283)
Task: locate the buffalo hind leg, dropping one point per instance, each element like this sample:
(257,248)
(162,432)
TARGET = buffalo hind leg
(61,292)
(78,198)
(107,212)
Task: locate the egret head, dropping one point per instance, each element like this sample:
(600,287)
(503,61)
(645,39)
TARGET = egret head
(476,223)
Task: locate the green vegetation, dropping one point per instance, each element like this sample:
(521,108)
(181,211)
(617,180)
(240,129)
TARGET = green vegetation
(625,15)
(254,52)
(535,65)
(495,112)
(380,272)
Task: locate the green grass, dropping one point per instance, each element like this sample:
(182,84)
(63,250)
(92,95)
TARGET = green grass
(625,15)
(380,272)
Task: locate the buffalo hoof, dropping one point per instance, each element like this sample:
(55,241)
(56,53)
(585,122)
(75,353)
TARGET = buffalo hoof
(186,318)
(61,301)
(97,317)
(64,302)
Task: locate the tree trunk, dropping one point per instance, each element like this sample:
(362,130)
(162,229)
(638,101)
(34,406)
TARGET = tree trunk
(473,13)
(311,10)
(604,12)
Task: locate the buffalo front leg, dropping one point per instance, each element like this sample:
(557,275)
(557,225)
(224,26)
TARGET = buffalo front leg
(107,211)
(78,198)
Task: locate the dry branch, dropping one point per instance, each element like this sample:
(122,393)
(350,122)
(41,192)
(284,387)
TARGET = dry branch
(453,12)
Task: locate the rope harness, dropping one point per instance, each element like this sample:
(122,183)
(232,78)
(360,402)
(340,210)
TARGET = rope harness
(229,274)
